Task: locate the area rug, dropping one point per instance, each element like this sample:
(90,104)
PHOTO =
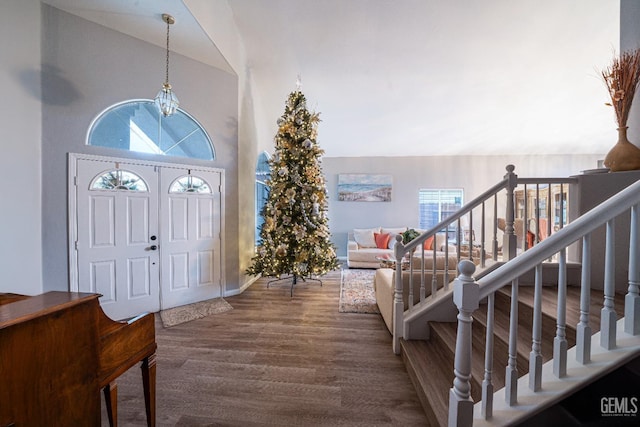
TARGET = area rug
(186,313)
(356,292)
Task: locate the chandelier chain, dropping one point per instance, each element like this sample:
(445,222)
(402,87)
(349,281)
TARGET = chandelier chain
(166,80)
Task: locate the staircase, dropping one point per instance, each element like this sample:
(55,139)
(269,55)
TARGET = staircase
(430,362)
(506,341)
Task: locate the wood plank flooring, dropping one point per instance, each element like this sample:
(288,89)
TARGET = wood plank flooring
(278,361)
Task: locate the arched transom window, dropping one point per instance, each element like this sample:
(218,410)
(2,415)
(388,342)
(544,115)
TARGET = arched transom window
(190,184)
(119,179)
(137,125)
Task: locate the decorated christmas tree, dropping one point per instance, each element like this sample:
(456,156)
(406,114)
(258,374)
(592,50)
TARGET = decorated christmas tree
(295,237)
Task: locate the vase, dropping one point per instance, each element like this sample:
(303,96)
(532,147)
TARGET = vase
(624,156)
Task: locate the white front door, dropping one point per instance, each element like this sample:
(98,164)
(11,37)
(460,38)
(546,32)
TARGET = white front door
(190,203)
(145,236)
(117,229)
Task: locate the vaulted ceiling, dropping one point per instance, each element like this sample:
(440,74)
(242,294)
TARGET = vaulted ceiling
(413,77)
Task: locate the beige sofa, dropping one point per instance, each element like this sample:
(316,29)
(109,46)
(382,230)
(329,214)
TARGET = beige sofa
(364,252)
(384,284)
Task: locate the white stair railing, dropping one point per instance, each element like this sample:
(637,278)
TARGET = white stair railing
(468,293)
(484,206)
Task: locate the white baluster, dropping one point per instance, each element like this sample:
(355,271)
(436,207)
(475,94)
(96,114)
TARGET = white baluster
(398,304)
(632,299)
(487,382)
(560,344)
(608,315)
(466,296)
(535,357)
(423,292)
(410,297)
(583,330)
(445,280)
(494,249)
(434,277)
(482,238)
(511,375)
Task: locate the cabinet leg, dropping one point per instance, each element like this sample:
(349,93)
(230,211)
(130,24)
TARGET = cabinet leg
(149,384)
(111,402)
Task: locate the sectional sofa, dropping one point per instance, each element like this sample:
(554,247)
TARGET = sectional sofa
(384,285)
(365,246)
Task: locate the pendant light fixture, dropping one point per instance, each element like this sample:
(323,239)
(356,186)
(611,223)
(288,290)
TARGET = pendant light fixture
(167,101)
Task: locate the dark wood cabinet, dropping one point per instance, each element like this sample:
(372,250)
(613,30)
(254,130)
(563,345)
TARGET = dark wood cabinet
(58,350)
(48,359)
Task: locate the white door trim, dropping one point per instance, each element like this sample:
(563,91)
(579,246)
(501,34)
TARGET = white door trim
(72,205)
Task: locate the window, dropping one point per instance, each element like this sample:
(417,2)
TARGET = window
(262,190)
(118,180)
(138,126)
(436,205)
(189,184)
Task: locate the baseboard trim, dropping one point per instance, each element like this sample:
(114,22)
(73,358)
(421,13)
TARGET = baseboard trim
(242,288)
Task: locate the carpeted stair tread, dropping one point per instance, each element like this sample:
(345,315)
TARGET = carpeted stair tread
(431,373)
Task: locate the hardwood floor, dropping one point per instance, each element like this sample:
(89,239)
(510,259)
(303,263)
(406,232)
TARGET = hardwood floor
(279,361)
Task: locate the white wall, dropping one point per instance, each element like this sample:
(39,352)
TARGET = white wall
(630,39)
(216,19)
(20,121)
(87,68)
(474,174)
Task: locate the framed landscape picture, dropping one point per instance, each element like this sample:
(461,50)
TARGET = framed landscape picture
(357,187)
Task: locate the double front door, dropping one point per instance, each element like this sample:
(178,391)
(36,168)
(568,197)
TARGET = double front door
(145,236)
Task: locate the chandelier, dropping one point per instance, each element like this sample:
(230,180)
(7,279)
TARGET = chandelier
(167,101)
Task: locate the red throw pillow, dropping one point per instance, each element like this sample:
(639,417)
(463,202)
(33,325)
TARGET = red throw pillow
(382,240)
(428,244)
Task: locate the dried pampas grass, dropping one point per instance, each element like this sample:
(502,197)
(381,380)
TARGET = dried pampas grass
(622,78)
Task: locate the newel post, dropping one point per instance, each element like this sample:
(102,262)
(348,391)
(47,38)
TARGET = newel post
(510,240)
(632,299)
(466,296)
(398,304)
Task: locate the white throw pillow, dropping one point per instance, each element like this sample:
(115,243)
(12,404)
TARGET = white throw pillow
(364,237)
(392,241)
(394,231)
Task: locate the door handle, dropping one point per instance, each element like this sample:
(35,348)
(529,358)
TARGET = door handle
(153,247)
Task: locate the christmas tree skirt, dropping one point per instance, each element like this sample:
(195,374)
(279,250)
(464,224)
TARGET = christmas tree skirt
(356,292)
(186,313)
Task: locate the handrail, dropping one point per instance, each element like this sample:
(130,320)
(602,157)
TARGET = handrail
(468,207)
(581,226)
(566,180)
(468,292)
(509,183)
(454,217)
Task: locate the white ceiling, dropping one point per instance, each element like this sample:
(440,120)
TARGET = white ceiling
(413,77)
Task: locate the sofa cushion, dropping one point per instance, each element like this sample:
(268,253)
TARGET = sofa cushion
(364,237)
(382,240)
(368,255)
(384,287)
(452,260)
